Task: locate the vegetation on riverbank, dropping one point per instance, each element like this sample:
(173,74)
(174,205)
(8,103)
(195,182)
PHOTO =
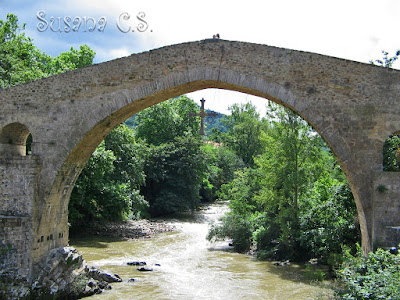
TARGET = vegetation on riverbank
(374,277)
(285,203)
(160,167)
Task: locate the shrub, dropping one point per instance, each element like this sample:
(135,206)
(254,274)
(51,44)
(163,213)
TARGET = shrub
(373,277)
(235,227)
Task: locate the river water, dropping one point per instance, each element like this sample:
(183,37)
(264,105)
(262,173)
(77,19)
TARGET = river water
(186,266)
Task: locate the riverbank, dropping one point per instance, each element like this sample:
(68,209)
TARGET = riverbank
(126,230)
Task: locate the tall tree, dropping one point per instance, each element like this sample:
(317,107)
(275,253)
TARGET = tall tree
(244,132)
(174,173)
(281,203)
(175,165)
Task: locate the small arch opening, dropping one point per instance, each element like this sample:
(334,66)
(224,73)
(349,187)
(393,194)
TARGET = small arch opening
(391,153)
(15,140)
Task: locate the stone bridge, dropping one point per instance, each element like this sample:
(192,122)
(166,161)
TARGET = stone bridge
(353,106)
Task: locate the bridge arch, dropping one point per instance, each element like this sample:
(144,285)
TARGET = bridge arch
(122,110)
(350,104)
(13,139)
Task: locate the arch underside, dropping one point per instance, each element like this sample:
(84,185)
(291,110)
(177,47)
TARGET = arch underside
(13,139)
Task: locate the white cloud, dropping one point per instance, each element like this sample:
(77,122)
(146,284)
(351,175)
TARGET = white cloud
(108,54)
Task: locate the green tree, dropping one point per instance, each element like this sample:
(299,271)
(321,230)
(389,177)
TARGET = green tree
(108,187)
(329,221)
(290,165)
(244,134)
(174,173)
(174,166)
(164,122)
(222,163)
(289,196)
(21,61)
(129,167)
(128,153)
(71,60)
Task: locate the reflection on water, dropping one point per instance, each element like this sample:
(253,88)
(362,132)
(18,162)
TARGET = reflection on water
(192,268)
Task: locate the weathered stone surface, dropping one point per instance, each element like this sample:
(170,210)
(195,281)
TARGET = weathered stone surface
(64,272)
(103,275)
(354,106)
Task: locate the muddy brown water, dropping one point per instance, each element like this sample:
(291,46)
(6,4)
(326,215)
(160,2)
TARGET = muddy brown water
(186,266)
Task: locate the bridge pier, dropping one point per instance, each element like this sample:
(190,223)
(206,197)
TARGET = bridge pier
(386,209)
(18,176)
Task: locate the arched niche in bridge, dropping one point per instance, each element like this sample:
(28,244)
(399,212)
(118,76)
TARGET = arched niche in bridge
(15,140)
(391,153)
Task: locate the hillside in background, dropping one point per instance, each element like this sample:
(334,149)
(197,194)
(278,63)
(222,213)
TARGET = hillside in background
(209,122)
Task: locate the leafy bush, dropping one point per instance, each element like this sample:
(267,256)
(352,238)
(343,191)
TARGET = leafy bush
(391,154)
(324,230)
(374,277)
(235,227)
(174,173)
(108,187)
(314,274)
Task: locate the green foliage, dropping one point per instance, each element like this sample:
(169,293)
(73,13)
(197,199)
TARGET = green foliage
(314,274)
(214,124)
(373,277)
(324,230)
(160,174)
(386,61)
(244,132)
(235,227)
(174,172)
(290,196)
(164,122)
(391,154)
(107,188)
(176,161)
(72,60)
(129,159)
(21,61)
(222,163)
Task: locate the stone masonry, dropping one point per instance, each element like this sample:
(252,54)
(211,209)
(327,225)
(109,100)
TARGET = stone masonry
(17,187)
(353,106)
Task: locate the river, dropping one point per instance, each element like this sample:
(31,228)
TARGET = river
(186,266)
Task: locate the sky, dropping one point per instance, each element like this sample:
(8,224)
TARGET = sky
(351,29)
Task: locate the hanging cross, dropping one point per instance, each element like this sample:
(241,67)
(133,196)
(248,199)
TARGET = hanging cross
(202,115)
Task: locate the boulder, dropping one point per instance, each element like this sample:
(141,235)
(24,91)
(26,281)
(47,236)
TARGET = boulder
(136,263)
(102,275)
(65,274)
(143,269)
